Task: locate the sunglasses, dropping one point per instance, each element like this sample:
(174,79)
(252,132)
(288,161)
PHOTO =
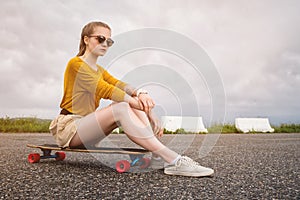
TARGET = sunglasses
(101,39)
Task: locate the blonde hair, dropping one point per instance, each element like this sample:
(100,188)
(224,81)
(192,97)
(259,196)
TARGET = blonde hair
(87,31)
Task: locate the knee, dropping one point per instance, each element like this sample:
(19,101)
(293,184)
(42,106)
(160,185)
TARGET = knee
(123,105)
(121,108)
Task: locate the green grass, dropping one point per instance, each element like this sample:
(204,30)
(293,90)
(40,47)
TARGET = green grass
(180,131)
(230,128)
(226,128)
(35,125)
(287,128)
(24,125)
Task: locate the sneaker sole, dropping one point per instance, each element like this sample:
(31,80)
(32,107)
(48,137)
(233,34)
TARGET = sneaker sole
(192,174)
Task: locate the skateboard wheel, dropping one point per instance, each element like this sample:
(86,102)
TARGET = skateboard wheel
(34,157)
(145,162)
(60,156)
(122,166)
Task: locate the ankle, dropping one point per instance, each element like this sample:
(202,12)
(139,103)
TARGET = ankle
(174,161)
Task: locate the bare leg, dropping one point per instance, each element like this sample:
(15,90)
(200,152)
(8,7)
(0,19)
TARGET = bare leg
(139,132)
(143,117)
(90,131)
(134,127)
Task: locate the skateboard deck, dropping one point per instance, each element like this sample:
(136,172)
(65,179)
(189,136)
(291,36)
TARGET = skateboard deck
(136,155)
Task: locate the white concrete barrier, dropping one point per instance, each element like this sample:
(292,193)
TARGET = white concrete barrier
(116,130)
(189,124)
(246,125)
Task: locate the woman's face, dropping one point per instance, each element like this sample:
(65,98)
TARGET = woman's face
(92,44)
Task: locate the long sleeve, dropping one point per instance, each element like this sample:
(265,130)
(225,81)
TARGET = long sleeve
(84,87)
(112,80)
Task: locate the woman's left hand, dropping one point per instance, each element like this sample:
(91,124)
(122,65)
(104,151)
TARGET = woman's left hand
(156,125)
(146,102)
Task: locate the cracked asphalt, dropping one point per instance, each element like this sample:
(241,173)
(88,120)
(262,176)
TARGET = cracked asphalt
(247,166)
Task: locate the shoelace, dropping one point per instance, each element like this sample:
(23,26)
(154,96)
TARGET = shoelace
(187,161)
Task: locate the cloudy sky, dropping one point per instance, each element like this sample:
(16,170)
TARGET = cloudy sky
(254,46)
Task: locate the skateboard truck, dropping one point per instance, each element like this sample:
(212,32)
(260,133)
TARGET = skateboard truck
(35,157)
(136,160)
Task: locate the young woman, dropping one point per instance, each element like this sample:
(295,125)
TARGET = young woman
(85,83)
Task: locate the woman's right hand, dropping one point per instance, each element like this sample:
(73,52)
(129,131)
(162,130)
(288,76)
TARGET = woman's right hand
(133,102)
(154,121)
(146,103)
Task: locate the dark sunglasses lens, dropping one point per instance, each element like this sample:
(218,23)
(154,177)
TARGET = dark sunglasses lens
(110,42)
(101,39)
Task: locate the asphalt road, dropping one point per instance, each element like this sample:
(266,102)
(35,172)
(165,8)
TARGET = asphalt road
(251,166)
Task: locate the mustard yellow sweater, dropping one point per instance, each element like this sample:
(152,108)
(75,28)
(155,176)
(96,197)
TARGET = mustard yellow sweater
(84,87)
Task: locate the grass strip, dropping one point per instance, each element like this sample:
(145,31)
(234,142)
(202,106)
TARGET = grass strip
(36,125)
(24,125)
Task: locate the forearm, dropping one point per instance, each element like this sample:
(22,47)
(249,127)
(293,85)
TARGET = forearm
(133,102)
(131,91)
(139,99)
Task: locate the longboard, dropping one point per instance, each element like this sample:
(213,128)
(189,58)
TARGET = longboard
(136,155)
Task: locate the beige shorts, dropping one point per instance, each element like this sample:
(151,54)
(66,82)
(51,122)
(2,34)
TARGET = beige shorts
(63,129)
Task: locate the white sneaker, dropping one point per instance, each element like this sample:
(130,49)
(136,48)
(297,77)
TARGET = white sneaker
(185,166)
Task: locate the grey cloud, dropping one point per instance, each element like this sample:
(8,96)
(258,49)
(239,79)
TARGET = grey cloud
(254,45)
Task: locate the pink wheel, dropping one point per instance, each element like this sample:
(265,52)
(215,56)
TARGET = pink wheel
(122,166)
(34,157)
(145,163)
(60,156)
